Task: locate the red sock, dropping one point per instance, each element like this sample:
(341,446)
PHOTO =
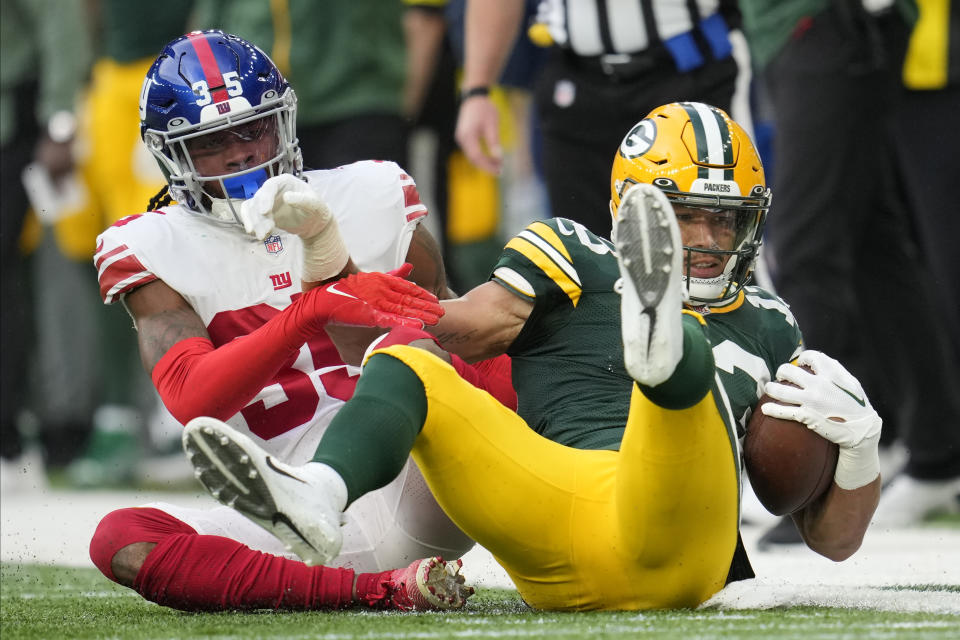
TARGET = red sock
(197,573)
(372,589)
(202,573)
(126,526)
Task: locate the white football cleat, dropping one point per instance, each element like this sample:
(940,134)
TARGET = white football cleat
(301,506)
(650,253)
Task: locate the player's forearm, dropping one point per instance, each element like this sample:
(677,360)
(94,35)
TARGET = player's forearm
(490,30)
(194,378)
(460,333)
(834,526)
(481,324)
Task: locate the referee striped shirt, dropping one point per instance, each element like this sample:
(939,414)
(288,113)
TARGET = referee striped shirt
(603,27)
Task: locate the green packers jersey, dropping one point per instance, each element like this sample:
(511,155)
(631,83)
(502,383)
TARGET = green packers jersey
(751,336)
(568,368)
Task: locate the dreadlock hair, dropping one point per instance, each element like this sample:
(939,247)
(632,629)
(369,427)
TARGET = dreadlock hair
(162,199)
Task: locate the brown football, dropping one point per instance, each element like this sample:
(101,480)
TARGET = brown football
(789,465)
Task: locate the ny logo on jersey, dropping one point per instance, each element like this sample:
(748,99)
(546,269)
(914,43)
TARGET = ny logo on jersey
(281,280)
(273,244)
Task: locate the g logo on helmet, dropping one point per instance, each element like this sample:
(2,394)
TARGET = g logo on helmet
(639,140)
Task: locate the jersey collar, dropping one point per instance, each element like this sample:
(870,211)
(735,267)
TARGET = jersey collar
(721,307)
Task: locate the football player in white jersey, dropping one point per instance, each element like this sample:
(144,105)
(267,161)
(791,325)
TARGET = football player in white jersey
(228,289)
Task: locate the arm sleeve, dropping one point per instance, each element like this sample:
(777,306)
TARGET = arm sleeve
(196,379)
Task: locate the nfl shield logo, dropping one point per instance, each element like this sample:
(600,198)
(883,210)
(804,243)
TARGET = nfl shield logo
(273,244)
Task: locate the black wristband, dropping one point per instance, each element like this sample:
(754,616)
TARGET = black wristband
(474,91)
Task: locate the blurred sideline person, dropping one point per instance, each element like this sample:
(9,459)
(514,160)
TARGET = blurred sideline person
(487,209)
(230,290)
(927,131)
(92,377)
(833,73)
(43,67)
(607,62)
(617,485)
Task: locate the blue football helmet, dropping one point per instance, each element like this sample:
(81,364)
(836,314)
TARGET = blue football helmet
(204,88)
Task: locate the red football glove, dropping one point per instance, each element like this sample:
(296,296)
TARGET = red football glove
(376,300)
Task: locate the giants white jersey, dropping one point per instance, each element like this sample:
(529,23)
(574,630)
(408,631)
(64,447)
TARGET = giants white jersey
(236,283)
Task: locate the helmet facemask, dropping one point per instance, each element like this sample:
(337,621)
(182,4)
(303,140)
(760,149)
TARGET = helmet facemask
(734,239)
(178,151)
(735,225)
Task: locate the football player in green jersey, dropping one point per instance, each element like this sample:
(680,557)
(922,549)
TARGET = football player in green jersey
(616,484)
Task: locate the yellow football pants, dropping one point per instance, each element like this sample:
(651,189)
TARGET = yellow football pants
(653,525)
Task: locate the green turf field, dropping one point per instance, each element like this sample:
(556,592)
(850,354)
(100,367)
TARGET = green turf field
(44,602)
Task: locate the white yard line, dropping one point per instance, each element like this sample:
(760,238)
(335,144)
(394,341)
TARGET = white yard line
(55,527)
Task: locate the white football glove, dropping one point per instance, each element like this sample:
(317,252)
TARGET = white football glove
(287,202)
(831,402)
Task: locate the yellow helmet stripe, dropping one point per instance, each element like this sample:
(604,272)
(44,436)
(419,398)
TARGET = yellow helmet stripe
(535,253)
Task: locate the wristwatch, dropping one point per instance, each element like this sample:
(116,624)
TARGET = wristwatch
(474,91)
